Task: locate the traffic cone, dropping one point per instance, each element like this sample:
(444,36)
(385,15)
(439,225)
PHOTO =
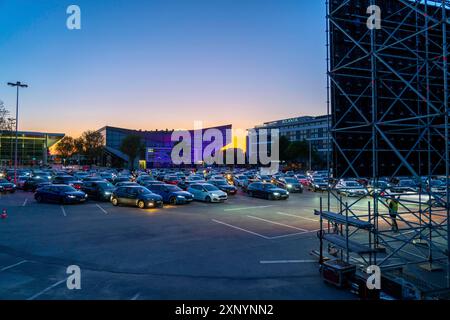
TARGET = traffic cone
(4,214)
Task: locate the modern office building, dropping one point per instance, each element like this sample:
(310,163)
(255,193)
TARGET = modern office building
(307,128)
(157,144)
(32,147)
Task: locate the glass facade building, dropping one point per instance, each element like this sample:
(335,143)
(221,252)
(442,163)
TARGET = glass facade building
(158,145)
(32,147)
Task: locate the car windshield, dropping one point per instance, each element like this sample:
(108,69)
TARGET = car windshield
(221,183)
(105,185)
(269,186)
(173,188)
(353,184)
(210,187)
(406,183)
(143,191)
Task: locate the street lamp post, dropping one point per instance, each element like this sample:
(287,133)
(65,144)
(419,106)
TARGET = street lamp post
(18,85)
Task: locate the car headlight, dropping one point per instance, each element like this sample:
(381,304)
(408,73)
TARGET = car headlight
(71,196)
(14,185)
(181,197)
(287,193)
(107,193)
(289,185)
(276,194)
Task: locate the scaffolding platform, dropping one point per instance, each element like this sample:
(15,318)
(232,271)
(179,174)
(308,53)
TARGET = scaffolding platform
(344,243)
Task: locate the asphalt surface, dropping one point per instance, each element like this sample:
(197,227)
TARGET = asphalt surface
(245,248)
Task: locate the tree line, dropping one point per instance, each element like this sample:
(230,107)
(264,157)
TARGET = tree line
(90,145)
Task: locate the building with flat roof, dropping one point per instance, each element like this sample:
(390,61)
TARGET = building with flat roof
(158,146)
(32,147)
(307,128)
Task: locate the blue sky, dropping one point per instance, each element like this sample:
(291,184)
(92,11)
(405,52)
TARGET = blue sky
(162,63)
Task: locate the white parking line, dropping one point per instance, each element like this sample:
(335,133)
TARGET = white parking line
(286,261)
(100,207)
(25,202)
(13,265)
(277,223)
(289,235)
(136,296)
(46,289)
(241,229)
(295,216)
(63,211)
(247,208)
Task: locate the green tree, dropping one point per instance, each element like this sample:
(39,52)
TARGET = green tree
(132,146)
(65,147)
(78,145)
(3,117)
(298,151)
(93,143)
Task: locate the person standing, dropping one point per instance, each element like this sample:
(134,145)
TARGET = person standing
(393,212)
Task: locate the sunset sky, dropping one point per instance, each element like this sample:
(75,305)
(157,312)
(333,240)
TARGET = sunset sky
(160,64)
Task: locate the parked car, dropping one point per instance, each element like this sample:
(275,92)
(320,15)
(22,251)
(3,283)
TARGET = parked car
(207,192)
(6,186)
(119,179)
(267,191)
(303,180)
(350,188)
(437,186)
(107,176)
(60,193)
(239,180)
(378,187)
(143,179)
(80,175)
(290,184)
(127,184)
(68,180)
(318,185)
(171,194)
(20,182)
(34,183)
(136,196)
(172,179)
(99,190)
(223,185)
(185,184)
(405,185)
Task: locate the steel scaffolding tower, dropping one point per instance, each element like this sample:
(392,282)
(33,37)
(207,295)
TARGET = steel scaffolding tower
(388,100)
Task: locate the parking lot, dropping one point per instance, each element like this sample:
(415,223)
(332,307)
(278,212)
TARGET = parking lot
(245,248)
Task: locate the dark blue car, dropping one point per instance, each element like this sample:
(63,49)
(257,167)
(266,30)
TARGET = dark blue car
(171,194)
(60,194)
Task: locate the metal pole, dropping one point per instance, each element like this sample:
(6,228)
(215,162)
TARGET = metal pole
(17,127)
(310,157)
(447,137)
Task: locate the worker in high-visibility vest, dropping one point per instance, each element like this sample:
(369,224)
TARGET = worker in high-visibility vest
(393,212)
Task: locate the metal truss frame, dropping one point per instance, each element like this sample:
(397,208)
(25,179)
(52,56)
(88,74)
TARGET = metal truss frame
(391,85)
